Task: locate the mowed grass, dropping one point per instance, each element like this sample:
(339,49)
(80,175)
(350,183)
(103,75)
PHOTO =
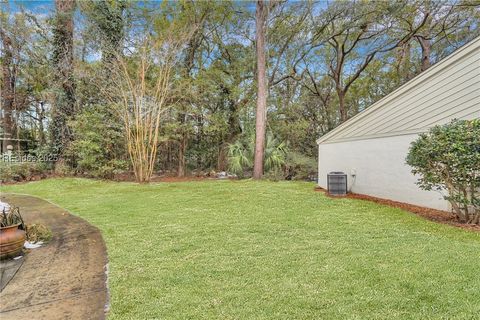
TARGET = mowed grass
(266,250)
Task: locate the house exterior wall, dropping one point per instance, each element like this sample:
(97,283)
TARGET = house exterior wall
(379,168)
(375,143)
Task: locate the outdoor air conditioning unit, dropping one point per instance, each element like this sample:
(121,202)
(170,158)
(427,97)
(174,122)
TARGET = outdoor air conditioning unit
(337,183)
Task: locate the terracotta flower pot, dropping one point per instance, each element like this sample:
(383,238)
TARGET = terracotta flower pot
(11,241)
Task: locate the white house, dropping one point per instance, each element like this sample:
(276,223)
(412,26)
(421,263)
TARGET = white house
(371,147)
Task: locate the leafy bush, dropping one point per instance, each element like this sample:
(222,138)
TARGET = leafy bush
(300,167)
(448,158)
(63,169)
(98,145)
(20,171)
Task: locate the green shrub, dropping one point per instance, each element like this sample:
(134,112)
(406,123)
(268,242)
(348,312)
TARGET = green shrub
(98,146)
(300,167)
(447,158)
(62,169)
(21,171)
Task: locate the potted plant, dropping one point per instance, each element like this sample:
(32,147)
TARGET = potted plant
(12,232)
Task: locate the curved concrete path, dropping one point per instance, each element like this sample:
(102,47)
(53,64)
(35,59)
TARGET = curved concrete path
(65,279)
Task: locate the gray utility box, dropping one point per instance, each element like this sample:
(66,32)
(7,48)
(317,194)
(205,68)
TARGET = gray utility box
(337,183)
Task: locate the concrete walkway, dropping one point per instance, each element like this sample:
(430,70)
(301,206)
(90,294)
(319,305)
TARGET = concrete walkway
(64,279)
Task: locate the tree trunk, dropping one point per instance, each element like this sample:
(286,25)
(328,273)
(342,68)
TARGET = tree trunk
(221,158)
(181,156)
(113,30)
(64,109)
(40,110)
(17,129)
(403,64)
(7,92)
(426,51)
(341,105)
(198,141)
(261,116)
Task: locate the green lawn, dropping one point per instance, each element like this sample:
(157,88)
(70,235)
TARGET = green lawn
(266,250)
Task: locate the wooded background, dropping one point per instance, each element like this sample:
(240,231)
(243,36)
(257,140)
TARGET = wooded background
(292,69)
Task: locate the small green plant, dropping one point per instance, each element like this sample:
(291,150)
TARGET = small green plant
(447,158)
(11,217)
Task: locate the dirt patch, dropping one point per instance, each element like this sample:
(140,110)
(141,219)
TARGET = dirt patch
(427,213)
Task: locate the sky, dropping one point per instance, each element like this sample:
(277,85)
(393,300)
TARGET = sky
(36,6)
(44,6)
(41,6)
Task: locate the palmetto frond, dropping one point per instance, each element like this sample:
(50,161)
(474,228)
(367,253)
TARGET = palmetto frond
(238,157)
(275,153)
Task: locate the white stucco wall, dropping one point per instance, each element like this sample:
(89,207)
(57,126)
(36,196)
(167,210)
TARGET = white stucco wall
(380,169)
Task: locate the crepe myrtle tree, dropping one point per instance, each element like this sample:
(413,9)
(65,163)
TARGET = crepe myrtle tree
(447,158)
(141,88)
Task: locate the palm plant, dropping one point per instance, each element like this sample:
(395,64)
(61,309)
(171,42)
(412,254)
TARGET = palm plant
(275,153)
(240,154)
(239,157)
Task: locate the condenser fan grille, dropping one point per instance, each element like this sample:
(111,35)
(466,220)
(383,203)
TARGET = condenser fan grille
(337,183)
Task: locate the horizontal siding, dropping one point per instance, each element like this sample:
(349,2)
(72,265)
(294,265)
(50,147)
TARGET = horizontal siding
(448,90)
(446,85)
(417,113)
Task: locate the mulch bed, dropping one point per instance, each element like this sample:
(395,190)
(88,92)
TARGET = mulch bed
(427,213)
(180,179)
(36,177)
(124,177)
